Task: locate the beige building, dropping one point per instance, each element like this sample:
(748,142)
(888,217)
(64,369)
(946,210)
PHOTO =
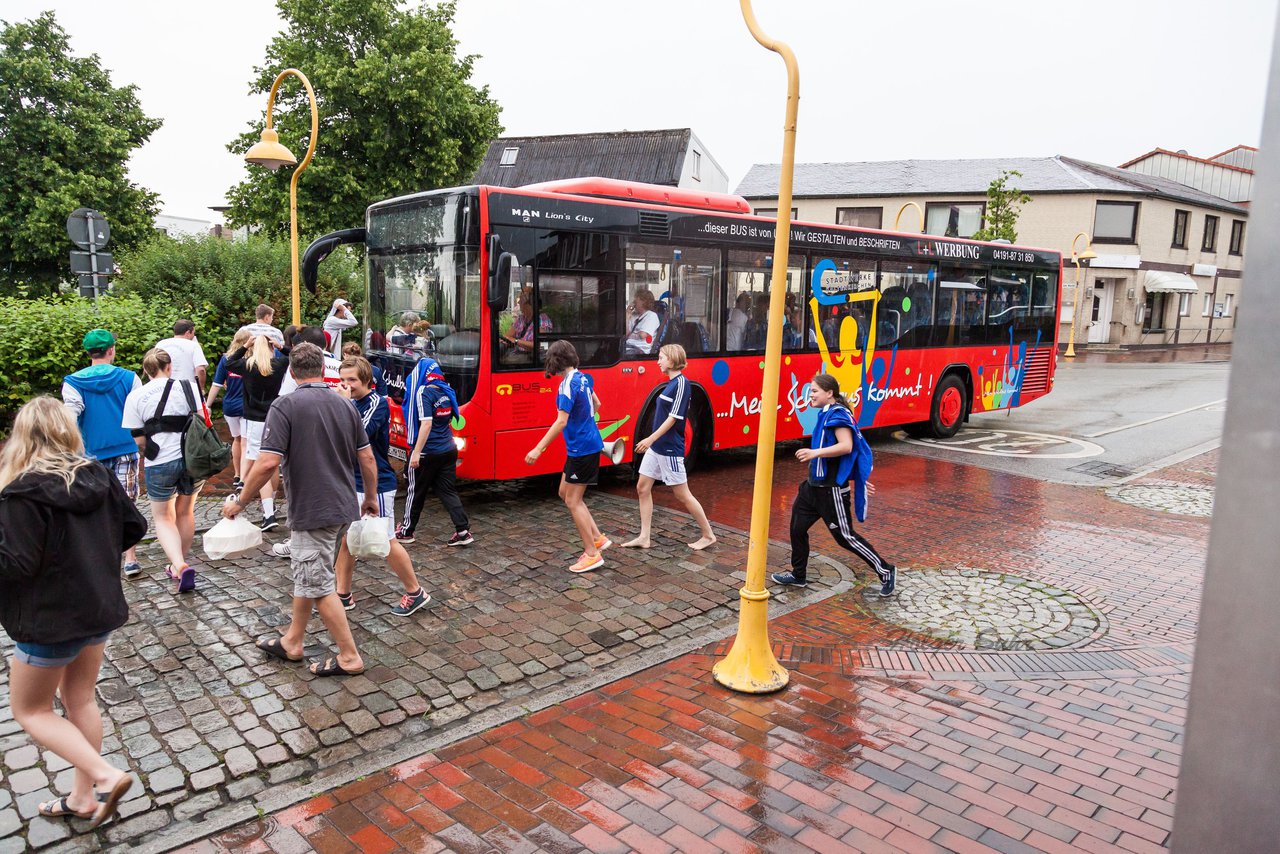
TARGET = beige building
(1169,255)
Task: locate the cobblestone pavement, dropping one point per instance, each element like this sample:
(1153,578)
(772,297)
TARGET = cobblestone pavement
(209,724)
(898,732)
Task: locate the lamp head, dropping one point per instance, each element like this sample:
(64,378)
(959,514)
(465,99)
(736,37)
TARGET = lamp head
(269,152)
(1088,254)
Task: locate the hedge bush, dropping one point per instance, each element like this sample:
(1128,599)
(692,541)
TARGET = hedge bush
(40,340)
(224,281)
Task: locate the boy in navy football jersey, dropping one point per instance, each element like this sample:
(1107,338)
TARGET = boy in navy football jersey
(832,458)
(575,403)
(429,409)
(663,451)
(357,386)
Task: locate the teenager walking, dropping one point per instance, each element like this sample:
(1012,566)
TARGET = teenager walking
(262,371)
(157,414)
(430,406)
(663,451)
(320,440)
(833,461)
(582,442)
(232,403)
(375,415)
(65,520)
(95,396)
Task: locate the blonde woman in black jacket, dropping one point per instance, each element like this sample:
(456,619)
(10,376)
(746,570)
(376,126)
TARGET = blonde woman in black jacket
(64,520)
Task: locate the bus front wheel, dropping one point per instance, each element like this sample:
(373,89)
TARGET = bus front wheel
(946,412)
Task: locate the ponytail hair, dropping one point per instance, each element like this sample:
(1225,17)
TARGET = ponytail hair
(830,384)
(155,361)
(260,356)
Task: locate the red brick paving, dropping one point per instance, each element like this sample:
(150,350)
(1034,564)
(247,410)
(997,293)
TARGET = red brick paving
(884,741)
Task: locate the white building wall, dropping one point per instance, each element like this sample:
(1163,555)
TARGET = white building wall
(701,171)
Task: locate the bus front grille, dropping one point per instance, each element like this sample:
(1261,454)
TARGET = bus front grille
(1037,378)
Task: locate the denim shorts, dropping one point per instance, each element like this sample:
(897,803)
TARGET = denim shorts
(168,478)
(55,654)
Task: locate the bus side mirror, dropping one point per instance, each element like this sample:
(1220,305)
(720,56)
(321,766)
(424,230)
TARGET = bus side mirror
(500,282)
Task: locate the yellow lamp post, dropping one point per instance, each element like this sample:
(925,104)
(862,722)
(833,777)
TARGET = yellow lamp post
(903,210)
(750,666)
(1087,255)
(270,153)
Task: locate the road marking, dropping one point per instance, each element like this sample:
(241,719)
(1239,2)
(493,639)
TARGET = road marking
(1010,443)
(1154,420)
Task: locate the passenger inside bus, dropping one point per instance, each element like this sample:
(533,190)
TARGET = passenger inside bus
(739,317)
(402,335)
(758,327)
(643,328)
(519,342)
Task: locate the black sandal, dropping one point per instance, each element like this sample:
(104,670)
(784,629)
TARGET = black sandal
(275,649)
(108,808)
(331,667)
(61,809)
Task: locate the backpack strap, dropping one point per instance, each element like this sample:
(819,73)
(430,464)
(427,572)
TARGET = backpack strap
(191,401)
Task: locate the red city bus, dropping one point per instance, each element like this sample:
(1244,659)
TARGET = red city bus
(920,330)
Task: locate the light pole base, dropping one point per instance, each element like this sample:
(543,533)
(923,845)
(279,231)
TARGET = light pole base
(750,667)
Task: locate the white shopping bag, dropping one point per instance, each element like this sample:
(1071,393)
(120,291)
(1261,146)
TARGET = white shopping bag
(368,538)
(230,537)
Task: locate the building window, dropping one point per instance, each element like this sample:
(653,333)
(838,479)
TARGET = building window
(1184,305)
(1115,222)
(1228,304)
(1210,234)
(1180,221)
(860,217)
(773,212)
(697,166)
(953,219)
(1208,305)
(1237,237)
(509,156)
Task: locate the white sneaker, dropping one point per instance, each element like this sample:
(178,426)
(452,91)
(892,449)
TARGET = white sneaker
(282,549)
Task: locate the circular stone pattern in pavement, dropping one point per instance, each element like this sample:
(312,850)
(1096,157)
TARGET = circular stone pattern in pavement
(987,610)
(1185,500)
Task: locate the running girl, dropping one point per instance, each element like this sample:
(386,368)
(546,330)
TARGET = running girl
(582,444)
(825,494)
(663,451)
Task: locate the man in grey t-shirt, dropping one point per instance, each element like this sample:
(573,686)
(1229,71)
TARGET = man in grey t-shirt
(320,439)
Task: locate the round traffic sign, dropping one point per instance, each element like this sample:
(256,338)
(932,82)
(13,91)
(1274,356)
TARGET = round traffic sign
(84,220)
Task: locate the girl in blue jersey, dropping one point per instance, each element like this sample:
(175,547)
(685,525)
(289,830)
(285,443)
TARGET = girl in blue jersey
(825,494)
(582,442)
(233,404)
(663,451)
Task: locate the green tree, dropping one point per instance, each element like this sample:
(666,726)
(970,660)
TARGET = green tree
(1004,204)
(397,113)
(66,135)
(224,281)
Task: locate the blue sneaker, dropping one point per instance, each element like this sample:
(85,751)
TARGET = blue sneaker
(411,602)
(789,579)
(889,581)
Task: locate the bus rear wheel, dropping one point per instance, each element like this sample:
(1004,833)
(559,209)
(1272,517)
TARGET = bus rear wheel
(947,411)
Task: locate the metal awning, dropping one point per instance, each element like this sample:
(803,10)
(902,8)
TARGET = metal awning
(1158,281)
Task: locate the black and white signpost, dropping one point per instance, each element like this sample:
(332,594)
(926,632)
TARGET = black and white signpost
(89,230)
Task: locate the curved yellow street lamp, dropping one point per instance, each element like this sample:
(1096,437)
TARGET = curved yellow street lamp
(270,153)
(750,666)
(903,210)
(1087,255)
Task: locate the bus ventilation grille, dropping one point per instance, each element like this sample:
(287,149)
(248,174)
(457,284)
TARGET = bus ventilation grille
(1037,378)
(654,224)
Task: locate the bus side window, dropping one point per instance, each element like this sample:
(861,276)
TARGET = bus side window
(961,311)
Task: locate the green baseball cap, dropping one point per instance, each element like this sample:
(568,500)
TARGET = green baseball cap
(98,339)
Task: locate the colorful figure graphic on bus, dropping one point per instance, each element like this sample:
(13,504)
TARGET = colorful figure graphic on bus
(1004,389)
(798,398)
(854,346)
(872,394)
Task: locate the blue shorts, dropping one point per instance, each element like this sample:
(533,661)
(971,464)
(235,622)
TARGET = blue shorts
(168,478)
(55,654)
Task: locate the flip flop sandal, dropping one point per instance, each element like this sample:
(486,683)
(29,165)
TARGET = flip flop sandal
(331,667)
(275,649)
(108,808)
(60,809)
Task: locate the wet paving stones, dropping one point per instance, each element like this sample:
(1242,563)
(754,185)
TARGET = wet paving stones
(192,706)
(1166,498)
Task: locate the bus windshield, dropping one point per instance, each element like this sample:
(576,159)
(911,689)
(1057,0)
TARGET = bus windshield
(424,290)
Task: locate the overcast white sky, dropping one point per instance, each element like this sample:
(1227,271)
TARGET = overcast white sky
(1102,80)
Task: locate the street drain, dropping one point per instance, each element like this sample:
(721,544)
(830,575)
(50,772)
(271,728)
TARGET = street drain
(987,610)
(1184,500)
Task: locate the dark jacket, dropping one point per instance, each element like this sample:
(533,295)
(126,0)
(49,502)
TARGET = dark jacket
(60,555)
(259,391)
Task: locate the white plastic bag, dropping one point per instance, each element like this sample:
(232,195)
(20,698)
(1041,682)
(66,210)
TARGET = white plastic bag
(230,537)
(367,538)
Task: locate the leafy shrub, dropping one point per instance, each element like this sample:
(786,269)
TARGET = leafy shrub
(40,340)
(224,281)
